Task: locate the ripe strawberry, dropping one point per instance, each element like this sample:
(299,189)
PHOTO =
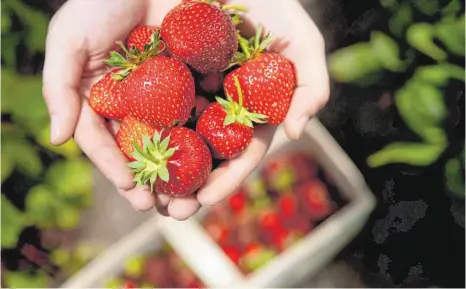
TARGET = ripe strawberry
(156,90)
(129,284)
(141,36)
(269,221)
(315,199)
(268,79)
(105,98)
(227,127)
(132,131)
(200,34)
(233,253)
(176,161)
(283,239)
(237,202)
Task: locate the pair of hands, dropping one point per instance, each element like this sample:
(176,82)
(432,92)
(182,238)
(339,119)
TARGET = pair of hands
(82,33)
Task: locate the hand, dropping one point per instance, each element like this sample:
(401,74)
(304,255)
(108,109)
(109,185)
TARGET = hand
(78,44)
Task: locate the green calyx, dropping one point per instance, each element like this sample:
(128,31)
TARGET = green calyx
(251,48)
(151,160)
(133,57)
(236,112)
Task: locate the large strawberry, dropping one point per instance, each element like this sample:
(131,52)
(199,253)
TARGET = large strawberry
(200,34)
(177,162)
(105,97)
(268,80)
(227,126)
(131,132)
(141,36)
(155,89)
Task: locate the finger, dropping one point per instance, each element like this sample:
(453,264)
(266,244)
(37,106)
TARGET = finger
(113,126)
(226,179)
(64,60)
(183,208)
(139,197)
(161,203)
(99,145)
(312,93)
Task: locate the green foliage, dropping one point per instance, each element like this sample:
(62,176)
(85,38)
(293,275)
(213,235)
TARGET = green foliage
(62,190)
(420,100)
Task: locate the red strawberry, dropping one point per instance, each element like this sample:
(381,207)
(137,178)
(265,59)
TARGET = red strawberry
(283,239)
(177,162)
(269,220)
(268,80)
(256,256)
(155,89)
(141,36)
(131,131)
(200,34)
(129,284)
(233,253)
(105,97)
(218,232)
(237,202)
(227,127)
(315,200)
(290,215)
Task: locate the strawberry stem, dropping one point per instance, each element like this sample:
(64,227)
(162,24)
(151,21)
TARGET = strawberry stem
(251,48)
(151,160)
(235,8)
(134,57)
(236,112)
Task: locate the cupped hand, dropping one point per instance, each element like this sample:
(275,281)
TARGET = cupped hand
(83,32)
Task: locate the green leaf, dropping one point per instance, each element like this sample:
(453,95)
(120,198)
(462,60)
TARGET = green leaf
(71,181)
(440,74)
(416,154)
(427,7)
(387,52)
(452,35)
(23,279)
(13,221)
(35,24)
(451,9)
(68,217)
(41,206)
(23,154)
(401,19)
(421,37)
(423,109)
(454,174)
(163,173)
(7,166)
(353,63)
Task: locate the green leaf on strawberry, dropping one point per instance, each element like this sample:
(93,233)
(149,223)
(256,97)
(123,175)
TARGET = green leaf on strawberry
(151,160)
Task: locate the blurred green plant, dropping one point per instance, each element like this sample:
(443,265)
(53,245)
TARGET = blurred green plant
(420,100)
(61,177)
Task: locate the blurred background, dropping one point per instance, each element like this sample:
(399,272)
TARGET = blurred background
(397,109)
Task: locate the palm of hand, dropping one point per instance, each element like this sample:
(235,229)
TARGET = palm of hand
(77,47)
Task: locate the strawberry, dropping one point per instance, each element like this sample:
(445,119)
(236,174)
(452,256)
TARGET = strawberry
(268,79)
(269,221)
(218,232)
(256,256)
(132,131)
(233,252)
(201,104)
(283,239)
(141,36)
(129,284)
(315,200)
(227,127)
(200,34)
(176,161)
(212,82)
(155,89)
(105,97)
(237,202)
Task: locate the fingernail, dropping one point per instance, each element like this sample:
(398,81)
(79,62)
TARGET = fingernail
(300,126)
(54,129)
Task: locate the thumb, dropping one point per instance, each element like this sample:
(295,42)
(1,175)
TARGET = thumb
(64,60)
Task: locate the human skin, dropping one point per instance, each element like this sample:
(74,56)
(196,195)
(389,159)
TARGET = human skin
(82,33)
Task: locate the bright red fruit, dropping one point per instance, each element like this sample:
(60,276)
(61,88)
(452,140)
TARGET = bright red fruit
(237,202)
(132,131)
(129,284)
(141,36)
(227,127)
(200,34)
(177,162)
(268,80)
(315,199)
(155,89)
(105,97)
(233,253)
(270,221)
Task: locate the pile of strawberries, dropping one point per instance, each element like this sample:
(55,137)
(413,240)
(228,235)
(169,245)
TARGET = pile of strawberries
(273,210)
(169,130)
